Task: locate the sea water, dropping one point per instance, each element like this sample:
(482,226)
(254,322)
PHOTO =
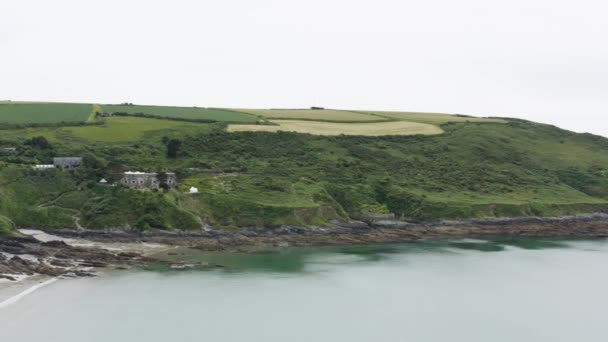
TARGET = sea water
(467,290)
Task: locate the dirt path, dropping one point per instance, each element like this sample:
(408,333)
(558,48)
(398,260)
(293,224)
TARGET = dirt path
(51,204)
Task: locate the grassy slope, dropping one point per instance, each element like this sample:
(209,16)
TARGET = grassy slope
(183,112)
(472,170)
(309,114)
(20,113)
(122,129)
(431,118)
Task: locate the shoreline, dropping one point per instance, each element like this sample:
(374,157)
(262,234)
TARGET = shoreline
(354,232)
(47,254)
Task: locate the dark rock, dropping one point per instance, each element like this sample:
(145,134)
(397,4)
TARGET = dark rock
(60,263)
(391,224)
(11,243)
(50,271)
(93,264)
(129,255)
(62,256)
(84,274)
(19,240)
(350,224)
(4,276)
(21,266)
(13,250)
(55,244)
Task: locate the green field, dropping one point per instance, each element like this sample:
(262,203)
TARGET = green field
(27,113)
(122,129)
(309,114)
(432,118)
(193,113)
(333,128)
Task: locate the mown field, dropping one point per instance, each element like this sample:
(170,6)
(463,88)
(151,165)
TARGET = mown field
(332,128)
(431,118)
(309,114)
(194,113)
(41,113)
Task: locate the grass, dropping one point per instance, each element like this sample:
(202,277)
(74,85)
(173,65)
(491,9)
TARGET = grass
(309,114)
(92,116)
(124,129)
(6,226)
(431,118)
(25,113)
(331,128)
(183,113)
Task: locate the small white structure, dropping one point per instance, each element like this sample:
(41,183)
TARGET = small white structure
(103,181)
(193,190)
(44,166)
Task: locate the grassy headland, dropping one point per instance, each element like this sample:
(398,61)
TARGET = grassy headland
(475,168)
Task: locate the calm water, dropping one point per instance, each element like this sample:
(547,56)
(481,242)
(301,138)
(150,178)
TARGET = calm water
(503,290)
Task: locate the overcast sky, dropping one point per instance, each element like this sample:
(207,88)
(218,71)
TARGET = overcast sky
(543,60)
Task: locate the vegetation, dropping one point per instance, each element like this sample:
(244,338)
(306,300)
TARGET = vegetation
(43,113)
(122,129)
(195,113)
(484,168)
(431,118)
(313,114)
(334,128)
(6,226)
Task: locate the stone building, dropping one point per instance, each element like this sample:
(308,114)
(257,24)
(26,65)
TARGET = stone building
(146,180)
(67,162)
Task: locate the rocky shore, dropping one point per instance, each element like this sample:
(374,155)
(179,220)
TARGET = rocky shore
(356,232)
(27,255)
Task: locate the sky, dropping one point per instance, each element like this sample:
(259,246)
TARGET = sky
(542,60)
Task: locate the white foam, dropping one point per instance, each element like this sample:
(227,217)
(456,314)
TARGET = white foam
(14,299)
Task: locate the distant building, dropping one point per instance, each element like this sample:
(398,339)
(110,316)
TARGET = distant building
(9,149)
(41,167)
(146,180)
(67,162)
(103,181)
(193,190)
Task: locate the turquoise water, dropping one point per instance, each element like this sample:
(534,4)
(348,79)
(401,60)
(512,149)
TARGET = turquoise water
(499,290)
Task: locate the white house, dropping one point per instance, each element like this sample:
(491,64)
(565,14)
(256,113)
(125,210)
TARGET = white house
(44,166)
(193,190)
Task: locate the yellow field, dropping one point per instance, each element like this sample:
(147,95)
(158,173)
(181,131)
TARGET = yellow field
(309,114)
(432,118)
(332,128)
